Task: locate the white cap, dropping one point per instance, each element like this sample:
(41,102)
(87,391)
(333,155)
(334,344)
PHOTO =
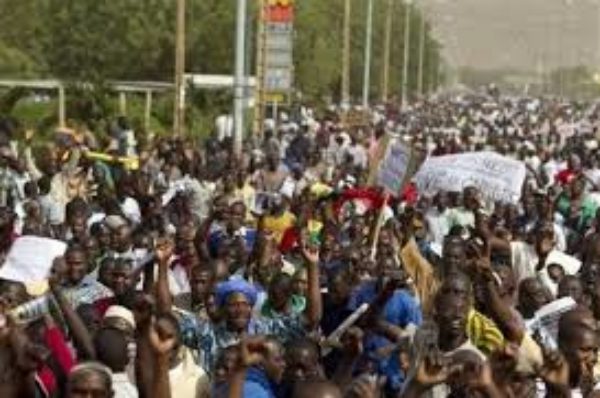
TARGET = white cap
(117,311)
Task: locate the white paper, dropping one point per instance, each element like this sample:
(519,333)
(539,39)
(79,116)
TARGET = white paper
(30,259)
(545,321)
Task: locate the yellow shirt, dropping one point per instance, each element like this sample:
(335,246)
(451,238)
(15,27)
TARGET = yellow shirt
(278,225)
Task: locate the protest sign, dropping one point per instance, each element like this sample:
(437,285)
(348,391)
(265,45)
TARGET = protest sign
(394,167)
(497,177)
(30,259)
(545,320)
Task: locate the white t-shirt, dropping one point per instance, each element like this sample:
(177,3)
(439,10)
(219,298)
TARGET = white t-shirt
(525,259)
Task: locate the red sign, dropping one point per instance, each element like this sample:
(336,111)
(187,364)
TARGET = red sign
(279,11)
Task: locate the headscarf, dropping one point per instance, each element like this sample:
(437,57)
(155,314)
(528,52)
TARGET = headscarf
(225,289)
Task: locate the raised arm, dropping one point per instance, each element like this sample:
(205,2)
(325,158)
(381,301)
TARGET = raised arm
(162,346)
(78,330)
(164,251)
(314,310)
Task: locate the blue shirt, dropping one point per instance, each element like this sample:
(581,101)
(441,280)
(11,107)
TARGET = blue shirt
(207,339)
(400,310)
(216,237)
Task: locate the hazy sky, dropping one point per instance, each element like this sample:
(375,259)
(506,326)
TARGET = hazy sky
(527,34)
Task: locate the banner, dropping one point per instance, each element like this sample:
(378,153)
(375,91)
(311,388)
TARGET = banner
(498,178)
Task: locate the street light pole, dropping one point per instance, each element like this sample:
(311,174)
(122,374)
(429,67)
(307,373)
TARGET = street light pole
(179,111)
(406,58)
(239,79)
(420,88)
(346,55)
(385,75)
(368,45)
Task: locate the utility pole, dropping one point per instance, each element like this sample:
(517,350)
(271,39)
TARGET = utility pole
(260,70)
(406,58)
(385,75)
(179,112)
(420,88)
(346,55)
(239,78)
(368,45)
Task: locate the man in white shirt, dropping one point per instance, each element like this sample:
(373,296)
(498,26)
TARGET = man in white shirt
(438,222)
(533,260)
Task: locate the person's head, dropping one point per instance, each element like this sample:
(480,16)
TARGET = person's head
(316,389)
(457,284)
(442,200)
(544,239)
(578,341)
(274,360)
(225,364)
(102,234)
(90,379)
(31,190)
(339,286)
(454,255)
(556,272)
(451,314)
(76,260)
(470,198)
(76,214)
(237,214)
(111,349)
(44,184)
(577,187)
(105,272)
(300,282)
(302,361)
(12,293)
(532,296)
(574,163)
(280,290)
(201,283)
(121,276)
(121,238)
(236,299)
(570,286)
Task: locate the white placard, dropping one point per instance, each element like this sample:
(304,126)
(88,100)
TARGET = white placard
(545,320)
(497,177)
(30,259)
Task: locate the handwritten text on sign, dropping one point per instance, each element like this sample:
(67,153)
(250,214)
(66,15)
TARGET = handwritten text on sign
(497,177)
(394,167)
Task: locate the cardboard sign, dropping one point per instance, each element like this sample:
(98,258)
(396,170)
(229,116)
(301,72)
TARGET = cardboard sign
(394,168)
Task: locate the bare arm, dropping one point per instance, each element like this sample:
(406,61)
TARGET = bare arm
(314,310)
(79,332)
(162,346)
(164,250)
(501,313)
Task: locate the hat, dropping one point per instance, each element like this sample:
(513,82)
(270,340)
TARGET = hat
(225,289)
(121,313)
(114,222)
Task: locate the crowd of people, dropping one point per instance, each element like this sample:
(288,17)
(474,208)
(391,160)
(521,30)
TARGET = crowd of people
(190,271)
